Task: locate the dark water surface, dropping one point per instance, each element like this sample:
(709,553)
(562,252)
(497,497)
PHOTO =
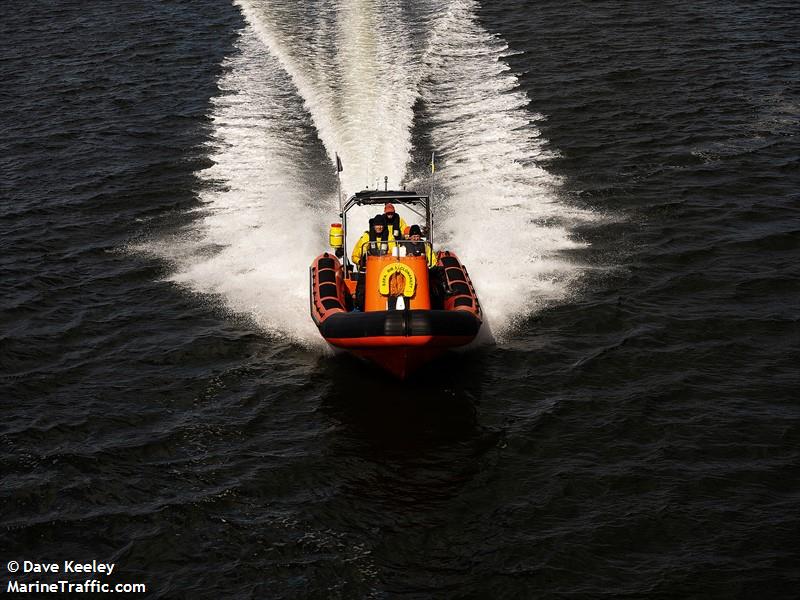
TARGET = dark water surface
(639,440)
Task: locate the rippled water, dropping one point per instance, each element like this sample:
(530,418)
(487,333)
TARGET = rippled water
(623,186)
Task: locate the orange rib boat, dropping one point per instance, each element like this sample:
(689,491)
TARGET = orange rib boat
(407,312)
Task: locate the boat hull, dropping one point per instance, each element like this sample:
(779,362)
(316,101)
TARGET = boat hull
(400,361)
(399,340)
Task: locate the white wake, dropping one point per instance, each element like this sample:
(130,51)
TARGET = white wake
(311,79)
(500,207)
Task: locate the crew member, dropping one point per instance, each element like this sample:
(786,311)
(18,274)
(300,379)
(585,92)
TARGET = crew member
(416,247)
(375,242)
(378,241)
(395,222)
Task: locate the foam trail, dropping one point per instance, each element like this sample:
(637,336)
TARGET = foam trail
(354,67)
(343,76)
(499,206)
(261,228)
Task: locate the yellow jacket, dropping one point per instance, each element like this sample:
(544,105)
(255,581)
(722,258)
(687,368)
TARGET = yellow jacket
(402,224)
(364,245)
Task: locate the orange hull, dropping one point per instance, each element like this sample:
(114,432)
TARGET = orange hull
(399,341)
(401,361)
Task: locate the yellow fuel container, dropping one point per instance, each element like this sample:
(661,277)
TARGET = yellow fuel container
(336,235)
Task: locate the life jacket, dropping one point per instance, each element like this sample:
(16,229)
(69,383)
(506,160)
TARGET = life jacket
(416,248)
(394,225)
(422,249)
(378,243)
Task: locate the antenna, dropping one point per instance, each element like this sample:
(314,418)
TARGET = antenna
(339,169)
(430,201)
